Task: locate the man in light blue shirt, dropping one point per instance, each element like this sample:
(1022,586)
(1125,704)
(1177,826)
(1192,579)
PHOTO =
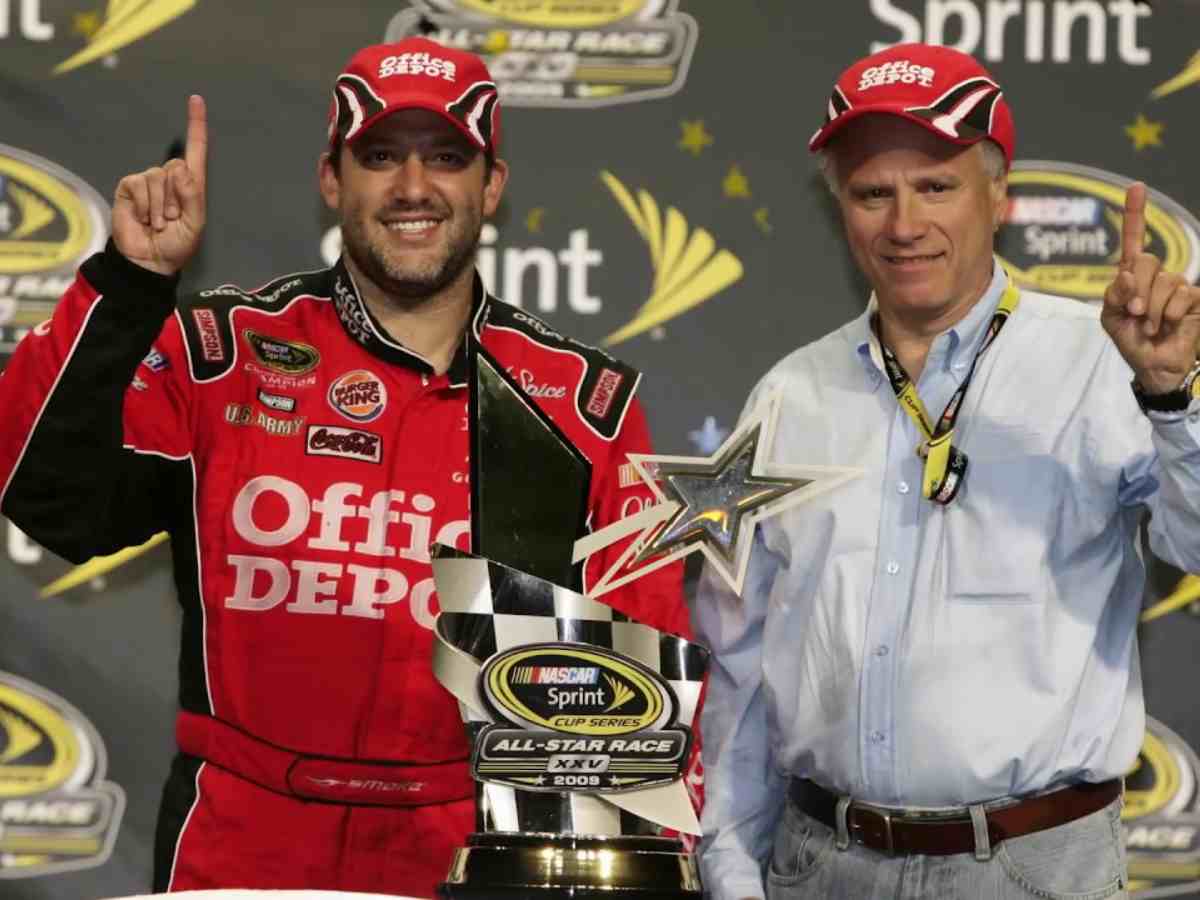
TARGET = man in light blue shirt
(930,687)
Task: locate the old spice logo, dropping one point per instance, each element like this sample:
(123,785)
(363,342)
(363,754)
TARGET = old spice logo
(358,395)
(530,386)
(602,394)
(329,440)
(211,347)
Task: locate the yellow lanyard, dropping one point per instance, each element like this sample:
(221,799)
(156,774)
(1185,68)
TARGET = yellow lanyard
(945,464)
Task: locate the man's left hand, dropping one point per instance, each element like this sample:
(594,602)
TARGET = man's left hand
(1152,315)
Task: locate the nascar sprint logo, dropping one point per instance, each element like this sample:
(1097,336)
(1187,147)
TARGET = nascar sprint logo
(564,52)
(577,690)
(1062,233)
(590,720)
(57,813)
(1161,817)
(50,221)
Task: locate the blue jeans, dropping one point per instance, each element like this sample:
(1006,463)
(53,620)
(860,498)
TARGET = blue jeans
(1082,860)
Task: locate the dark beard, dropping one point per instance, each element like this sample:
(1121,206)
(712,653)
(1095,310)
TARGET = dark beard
(413,291)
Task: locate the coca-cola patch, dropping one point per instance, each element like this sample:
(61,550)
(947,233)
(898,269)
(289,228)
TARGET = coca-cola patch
(330,440)
(359,396)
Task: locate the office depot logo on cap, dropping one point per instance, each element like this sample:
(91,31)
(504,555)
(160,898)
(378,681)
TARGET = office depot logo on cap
(416,73)
(941,89)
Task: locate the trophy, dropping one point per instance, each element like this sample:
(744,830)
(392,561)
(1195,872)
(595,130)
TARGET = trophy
(580,719)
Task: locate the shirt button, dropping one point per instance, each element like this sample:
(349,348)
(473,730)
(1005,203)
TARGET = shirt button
(902,487)
(893,567)
(881,650)
(878,737)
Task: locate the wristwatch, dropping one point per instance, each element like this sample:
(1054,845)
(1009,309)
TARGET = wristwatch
(1172,401)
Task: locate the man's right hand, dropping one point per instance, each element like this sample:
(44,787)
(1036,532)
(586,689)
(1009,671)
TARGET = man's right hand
(158,215)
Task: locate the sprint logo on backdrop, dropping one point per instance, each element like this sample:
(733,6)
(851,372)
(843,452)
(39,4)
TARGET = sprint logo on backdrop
(1062,233)
(564,52)
(50,221)
(1034,30)
(57,813)
(687,266)
(123,22)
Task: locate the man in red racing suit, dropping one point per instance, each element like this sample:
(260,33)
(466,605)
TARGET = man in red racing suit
(304,455)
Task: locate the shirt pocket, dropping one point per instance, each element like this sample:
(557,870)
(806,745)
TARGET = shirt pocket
(999,529)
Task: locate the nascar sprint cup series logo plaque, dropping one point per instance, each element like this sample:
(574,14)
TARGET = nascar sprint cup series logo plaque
(588,719)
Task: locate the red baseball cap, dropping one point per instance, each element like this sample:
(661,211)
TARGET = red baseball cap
(939,88)
(422,74)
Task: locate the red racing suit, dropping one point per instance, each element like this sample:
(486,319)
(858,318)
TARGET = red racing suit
(302,462)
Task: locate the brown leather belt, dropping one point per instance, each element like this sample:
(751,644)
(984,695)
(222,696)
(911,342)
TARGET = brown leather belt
(331,779)
(895,833)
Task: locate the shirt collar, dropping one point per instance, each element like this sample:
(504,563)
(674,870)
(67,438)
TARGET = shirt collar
(362,327)
(957,344)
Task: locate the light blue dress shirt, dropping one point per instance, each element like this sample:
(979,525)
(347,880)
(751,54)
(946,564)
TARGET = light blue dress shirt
(917,655)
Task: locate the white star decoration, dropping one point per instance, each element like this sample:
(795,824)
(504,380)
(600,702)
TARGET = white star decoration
(710,503)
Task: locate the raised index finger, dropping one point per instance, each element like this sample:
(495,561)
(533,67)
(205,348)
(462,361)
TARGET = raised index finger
(1133,224)
(196,152)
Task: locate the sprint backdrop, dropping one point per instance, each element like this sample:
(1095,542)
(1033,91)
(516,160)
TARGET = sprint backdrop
(662,202)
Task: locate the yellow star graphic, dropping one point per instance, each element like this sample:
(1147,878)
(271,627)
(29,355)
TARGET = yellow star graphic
(736,184)
(762,219)
(1145,133)
(695,138)
(533,221)
(86,24)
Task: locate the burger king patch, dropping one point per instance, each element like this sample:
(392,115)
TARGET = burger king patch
(359,396)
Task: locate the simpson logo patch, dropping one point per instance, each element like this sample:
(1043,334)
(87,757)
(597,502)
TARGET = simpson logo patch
(277,401)
(602,394)
(330,440)
(359,396)
(211,347)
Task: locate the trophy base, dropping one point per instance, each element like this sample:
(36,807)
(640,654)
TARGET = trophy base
(511,865)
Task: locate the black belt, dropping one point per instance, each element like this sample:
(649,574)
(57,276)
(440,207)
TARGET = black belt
(893,832)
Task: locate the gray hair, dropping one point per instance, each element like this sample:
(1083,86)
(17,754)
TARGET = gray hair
(993,164)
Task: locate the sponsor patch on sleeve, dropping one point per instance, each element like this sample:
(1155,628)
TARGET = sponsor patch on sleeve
(155,361)
(604,392)
(212,348)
